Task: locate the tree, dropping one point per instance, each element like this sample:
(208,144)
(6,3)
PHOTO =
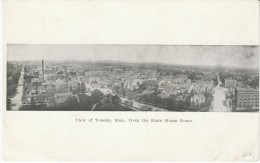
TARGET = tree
(122,91)
(60,72)
(32,102)
(116,99)
(192,76)
(215,80)
(97,95)
(72,101)
(72,73)
(157,100)
(116,89)
(11,90)
(142,87)
(255,82)
(9,103)
(171,103)
(82,87)
(109,96)
(105,101)
(85,102)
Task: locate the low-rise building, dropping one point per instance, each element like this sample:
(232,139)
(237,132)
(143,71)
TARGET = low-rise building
(198,99)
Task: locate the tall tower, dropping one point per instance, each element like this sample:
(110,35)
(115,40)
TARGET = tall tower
(42,70)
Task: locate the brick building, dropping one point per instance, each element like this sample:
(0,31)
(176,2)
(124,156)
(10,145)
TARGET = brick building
(247,99)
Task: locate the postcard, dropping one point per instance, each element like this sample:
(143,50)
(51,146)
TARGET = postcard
(131,80)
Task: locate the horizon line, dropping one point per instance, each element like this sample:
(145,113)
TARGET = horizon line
(133,62)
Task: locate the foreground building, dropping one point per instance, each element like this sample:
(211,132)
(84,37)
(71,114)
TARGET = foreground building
(247,99)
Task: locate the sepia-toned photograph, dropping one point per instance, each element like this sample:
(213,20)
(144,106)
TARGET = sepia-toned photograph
(114,77)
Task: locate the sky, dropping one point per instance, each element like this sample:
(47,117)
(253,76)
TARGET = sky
(237,56)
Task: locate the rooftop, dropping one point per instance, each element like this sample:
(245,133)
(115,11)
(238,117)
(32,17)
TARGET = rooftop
(240,89)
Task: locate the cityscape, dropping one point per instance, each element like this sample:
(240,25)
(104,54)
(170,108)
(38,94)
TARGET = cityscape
(132,78)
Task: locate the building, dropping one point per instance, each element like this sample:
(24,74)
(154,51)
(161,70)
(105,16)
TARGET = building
(60,86)
(229,83)
(229,103)
(106,91)
(74,86)
(197,88)
(247,99)
(94,79)
(188,81)
(52,77)
(51,102)
(181,79)
(198,99)
(131,84)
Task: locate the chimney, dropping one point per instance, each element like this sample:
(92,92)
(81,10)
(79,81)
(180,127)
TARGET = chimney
(42,70)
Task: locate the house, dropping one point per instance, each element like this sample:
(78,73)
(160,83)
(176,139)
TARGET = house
(88,93)
(49,86)
(40,100)
(106,91)
(180,79)
(52,77)
(61,86)
(35,83)
(74,86)
(180,98)
(94,79)
(41,89)
(188,81)
(197,88)
(94,84)
(132,85)
(198,99)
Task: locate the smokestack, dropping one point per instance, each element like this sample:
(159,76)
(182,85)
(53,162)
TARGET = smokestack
(42,70)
